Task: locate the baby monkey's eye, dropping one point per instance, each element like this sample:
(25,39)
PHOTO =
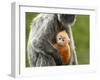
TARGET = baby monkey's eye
(62,39)
(59,38)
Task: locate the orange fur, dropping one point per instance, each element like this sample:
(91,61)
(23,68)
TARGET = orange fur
(63,48)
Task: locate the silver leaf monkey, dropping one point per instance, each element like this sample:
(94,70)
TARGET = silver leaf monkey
(43,33)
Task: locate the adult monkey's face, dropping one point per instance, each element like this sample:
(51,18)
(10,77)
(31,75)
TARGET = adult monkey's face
(66,19)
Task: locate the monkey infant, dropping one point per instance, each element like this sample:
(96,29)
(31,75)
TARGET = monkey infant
(62,46)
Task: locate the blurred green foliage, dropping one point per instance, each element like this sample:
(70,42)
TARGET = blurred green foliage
(81,38)
(80,33)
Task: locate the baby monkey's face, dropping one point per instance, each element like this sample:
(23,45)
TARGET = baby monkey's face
(62,39)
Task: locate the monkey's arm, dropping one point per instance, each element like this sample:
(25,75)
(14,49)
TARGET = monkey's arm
(73,60)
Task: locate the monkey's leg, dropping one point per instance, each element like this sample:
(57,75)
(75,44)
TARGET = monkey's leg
(32,55)
(37,57)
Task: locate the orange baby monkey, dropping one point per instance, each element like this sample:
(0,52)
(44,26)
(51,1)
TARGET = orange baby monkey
(62,46)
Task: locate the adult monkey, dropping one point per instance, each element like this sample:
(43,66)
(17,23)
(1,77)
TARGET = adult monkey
(43,33)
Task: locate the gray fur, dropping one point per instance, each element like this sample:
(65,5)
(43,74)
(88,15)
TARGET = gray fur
(42,34)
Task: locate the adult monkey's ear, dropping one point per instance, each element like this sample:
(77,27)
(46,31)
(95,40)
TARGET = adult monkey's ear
(66,19)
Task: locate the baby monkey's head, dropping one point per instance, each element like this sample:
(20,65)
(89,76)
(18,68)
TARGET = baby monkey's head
(62,38)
